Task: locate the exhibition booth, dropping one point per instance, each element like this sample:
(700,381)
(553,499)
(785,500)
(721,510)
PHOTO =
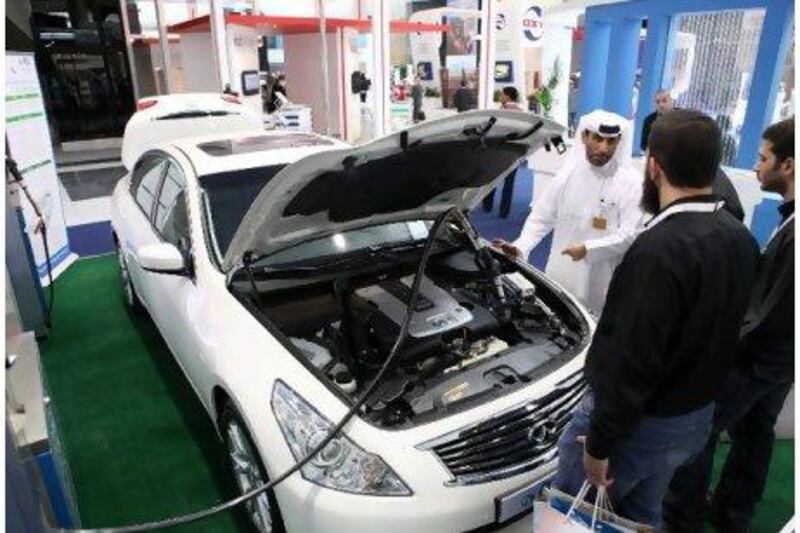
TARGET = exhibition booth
(248,246)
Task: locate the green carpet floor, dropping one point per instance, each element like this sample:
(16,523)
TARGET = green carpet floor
(138,442)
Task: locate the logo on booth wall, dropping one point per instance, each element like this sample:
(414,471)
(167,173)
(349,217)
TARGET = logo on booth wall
(500,21)
(532,26)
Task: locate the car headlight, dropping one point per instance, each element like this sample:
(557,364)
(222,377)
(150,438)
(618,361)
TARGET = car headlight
(341,465)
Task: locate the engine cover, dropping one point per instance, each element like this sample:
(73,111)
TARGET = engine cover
(436,310)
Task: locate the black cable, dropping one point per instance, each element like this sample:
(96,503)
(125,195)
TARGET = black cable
(205,513)
(13,169)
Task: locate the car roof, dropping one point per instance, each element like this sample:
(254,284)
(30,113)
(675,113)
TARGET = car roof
(212,154)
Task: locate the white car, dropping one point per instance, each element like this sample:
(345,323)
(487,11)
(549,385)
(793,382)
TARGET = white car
(278,266)
(160,119)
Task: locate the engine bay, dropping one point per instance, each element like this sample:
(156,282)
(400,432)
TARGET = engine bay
(479,326)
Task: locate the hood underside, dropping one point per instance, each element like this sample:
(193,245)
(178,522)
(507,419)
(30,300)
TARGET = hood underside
(413,174)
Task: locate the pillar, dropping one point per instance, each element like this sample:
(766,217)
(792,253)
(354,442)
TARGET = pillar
(380,61)
(219,41)
(656,49)
(593,64)
(486,60)
(772,46)
(621,65)
(163,38)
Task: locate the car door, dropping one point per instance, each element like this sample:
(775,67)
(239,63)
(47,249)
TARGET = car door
(138,231)
(180,300)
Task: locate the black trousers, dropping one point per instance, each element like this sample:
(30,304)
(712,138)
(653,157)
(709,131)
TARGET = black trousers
(505,199)
(748,407)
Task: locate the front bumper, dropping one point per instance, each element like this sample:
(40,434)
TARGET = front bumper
(432,508)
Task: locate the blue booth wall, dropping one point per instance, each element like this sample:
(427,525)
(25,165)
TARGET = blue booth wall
(608,67)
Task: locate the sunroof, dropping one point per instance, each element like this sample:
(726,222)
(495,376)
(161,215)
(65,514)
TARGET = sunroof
(261,143)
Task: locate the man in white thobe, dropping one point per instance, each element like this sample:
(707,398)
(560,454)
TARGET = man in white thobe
(592,207)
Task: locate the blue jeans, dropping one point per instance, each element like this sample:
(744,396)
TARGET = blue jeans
(747,407)
(642,465)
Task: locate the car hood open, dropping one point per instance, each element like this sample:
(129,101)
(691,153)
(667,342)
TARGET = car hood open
(413,174)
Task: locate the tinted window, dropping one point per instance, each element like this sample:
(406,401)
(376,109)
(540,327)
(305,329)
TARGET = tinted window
(229,195)
(172,220)
(145,182)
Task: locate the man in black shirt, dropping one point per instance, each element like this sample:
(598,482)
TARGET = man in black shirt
(664,103)
(754,394)
(724,189)
(671,319)
(463,98)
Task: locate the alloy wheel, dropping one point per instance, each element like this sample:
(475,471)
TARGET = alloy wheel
(248,476)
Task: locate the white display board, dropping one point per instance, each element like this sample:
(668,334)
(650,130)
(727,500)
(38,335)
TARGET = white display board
(28,138)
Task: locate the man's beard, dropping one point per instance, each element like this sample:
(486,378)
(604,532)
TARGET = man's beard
(650,201)
(771,182)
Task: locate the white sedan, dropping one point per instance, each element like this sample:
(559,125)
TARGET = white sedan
(278,268)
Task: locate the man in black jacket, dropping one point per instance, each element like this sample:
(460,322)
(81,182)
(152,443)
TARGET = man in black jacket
(664,103)
(463,98)
(670,322)
(724,189)
(754,394)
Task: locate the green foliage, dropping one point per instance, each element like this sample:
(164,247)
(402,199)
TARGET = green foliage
(544,94)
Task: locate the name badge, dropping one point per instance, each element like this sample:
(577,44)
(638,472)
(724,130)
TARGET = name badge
(599,223)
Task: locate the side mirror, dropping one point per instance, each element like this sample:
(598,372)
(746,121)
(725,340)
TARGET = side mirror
(162,258)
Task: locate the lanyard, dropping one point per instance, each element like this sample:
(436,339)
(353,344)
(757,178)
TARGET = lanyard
(688,207)
(779,228)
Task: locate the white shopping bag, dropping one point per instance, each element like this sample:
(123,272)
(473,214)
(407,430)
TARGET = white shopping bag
(548,520)
(561,513)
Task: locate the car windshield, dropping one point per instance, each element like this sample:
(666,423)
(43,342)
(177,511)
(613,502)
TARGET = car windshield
(228,196)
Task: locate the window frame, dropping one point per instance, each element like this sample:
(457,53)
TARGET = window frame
(157,203)
(136,182)
(169,160)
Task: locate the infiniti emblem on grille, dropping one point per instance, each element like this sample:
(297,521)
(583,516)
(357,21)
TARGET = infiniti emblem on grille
(543,433)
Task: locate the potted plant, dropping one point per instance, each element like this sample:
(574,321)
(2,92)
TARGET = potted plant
(541,100)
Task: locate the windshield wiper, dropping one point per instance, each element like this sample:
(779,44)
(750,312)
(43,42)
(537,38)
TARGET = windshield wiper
(386,253)
(195,114)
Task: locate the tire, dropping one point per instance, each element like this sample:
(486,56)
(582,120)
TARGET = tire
(132,301)
(248,472)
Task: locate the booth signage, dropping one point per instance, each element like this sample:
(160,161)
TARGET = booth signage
(28,141)
(532,27)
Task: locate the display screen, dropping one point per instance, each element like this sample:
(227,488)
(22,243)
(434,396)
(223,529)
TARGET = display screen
(251,82)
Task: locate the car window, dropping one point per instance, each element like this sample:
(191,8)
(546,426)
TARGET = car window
(171,220)
(145,182)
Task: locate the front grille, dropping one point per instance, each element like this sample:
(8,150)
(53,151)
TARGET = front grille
(512,442)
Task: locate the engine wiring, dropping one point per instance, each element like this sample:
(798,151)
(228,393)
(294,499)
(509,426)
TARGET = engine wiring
(333,433)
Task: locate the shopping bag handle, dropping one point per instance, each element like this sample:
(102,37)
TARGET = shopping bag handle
(601,502)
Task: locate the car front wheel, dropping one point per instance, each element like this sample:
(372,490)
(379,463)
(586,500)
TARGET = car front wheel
(249,472)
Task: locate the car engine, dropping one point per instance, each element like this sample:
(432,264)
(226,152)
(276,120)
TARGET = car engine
(475,329)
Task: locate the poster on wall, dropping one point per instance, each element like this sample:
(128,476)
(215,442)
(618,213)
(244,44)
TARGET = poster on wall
(28,141)
(532,27)
(462,44)
(504,71)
